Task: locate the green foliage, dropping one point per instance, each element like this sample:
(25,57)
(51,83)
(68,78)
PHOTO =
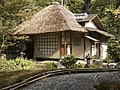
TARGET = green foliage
(12,13)
(95,66)
(112,23)
(16,64)
(114,50)
(105,10)
(3,38)
(49,65)
(107,60)
(43,3)
(80,66)
(16,46)
(100,7)
(24,63)
(75,6)
(68,61)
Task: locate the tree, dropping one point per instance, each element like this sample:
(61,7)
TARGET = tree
(75,6)
(113,24)
(88,6)
(114,50)
(3,40)
(101,6)
(12,13)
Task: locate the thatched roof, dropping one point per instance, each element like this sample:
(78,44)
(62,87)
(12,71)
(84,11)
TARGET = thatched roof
(53,18)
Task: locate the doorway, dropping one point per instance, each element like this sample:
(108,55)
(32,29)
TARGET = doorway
(66,48)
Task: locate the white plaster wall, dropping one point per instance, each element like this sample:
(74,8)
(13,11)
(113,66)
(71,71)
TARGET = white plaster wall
(90,24)
(103,50)
(68,49)
(93,50)
(88,47)
(78,51)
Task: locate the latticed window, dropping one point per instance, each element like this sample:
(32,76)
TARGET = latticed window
(66,37)
(47,43)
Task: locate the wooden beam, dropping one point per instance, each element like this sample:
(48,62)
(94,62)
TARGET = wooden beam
(65,44)
(84,47)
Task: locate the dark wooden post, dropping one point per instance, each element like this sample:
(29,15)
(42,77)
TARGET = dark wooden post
(65,44)
(84,47)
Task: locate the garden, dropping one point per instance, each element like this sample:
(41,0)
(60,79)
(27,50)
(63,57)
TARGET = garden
(16,52)
(16,70)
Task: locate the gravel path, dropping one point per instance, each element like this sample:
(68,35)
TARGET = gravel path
(82,81)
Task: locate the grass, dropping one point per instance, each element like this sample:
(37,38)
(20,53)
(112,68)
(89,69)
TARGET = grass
(108,86)
(12,77)
(8,78)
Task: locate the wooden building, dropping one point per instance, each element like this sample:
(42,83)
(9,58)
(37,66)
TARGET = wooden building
(96,40)
(58,32)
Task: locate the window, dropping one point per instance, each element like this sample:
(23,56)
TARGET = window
(47,43)
(77,41)
(66,36)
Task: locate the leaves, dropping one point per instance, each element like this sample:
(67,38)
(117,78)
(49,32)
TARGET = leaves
(12,13)
(114,50)
(17,64)
(68,61)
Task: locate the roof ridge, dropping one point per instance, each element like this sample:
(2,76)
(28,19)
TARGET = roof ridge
(53,18)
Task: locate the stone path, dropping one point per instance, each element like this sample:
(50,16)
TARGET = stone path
(82,81)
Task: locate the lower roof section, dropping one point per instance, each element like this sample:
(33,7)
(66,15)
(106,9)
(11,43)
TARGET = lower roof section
(100,32)
(91,38)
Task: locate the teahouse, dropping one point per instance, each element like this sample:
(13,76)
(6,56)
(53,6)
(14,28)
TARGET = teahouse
(58,32)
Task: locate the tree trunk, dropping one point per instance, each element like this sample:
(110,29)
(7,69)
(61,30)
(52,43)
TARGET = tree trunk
(88,6)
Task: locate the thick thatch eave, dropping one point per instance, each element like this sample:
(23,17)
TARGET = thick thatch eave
(54,18)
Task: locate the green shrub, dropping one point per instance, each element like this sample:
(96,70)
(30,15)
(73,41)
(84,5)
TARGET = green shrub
(7,65)
(95,66)
(68,61)
(16,64)
(79,66)
(107,60)
(24,63)
(49,65)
